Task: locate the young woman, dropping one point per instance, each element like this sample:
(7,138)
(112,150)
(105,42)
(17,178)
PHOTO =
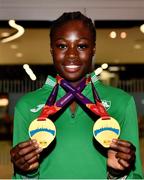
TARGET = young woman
(74,154)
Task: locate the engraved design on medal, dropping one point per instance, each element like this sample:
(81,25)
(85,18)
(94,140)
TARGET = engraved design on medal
(44,131)
(106,130)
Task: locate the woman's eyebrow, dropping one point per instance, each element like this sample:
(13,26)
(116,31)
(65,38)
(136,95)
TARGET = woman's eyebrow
(60,38)
(81,38)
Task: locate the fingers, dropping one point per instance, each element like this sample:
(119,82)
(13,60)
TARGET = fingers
(124,147)
(117,143)
(28,158)
(25,156)
(112,161)
(34,159)
(127,157)
(124,154)
(33,166)
(30,166)
(21,150)
(124,164)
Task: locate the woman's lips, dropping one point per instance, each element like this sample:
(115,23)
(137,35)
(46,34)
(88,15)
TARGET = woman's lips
(72,68)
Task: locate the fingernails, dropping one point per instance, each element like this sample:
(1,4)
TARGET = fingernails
(36,145)
(114,140)
(34,140)
(33,166)
(113,143)
(39,150)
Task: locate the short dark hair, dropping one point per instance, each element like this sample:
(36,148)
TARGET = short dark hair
(70,16)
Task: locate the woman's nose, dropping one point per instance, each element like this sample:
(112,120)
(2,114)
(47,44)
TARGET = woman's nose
(72,52)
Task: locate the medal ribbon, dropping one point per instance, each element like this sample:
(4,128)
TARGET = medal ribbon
(96,107)
(51,107)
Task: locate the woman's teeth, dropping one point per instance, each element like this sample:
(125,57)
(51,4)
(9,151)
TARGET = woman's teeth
(72,66)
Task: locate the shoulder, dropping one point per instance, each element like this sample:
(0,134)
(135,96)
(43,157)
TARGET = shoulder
(114,92)
(34,97)
(117,102)
(114,99)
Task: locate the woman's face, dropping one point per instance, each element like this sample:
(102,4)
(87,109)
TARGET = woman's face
(72,48)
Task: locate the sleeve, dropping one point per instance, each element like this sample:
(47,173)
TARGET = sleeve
(129,132)
(20,134)
(109,177)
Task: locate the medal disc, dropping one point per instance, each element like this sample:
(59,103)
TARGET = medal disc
(44,131)
(106,130)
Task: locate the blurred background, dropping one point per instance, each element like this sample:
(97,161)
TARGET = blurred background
(25,59)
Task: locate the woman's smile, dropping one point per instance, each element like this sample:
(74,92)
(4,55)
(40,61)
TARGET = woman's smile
(72,68)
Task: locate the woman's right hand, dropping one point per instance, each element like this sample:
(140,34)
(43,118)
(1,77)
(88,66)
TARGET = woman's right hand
(25,155)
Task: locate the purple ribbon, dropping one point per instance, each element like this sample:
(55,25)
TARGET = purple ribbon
(51,107)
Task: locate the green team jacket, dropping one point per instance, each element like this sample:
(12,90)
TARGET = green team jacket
(75,154)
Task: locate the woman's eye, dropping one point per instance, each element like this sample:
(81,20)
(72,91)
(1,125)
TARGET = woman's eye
(82,46)
(61,46)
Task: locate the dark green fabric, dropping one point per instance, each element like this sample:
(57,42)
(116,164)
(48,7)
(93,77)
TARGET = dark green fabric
(75,154)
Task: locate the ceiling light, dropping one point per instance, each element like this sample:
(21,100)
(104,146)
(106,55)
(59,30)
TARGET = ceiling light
(137,46)
(105,75)
(19,54)
(5,34)
(14,46)
(25,66)
(20,32)
(29,72)
(123,35)
(142,28)
(104,66)
(113,68)
(98,71)
(33,77)
(4,101)
(113,34)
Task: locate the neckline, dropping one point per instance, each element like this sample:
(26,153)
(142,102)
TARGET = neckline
(51,81)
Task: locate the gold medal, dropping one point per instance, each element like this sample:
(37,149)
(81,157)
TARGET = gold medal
(44,131)
(106,130)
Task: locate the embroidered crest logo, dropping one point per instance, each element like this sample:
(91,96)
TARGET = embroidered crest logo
(106,104)
(37,108)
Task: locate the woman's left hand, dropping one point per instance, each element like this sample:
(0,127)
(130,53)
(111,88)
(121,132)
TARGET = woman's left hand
(121,155)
